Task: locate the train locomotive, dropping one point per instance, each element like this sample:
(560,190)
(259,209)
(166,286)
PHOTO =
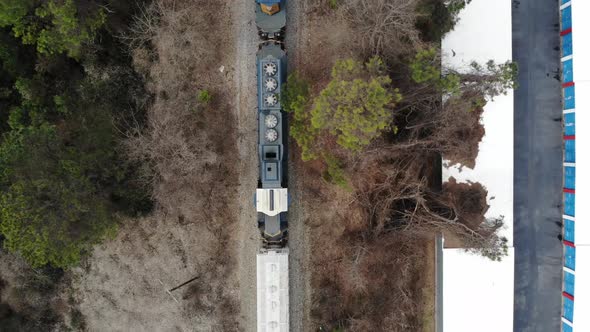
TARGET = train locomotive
(271,18)
(272,196)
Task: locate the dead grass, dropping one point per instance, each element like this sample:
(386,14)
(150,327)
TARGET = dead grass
(124,287)
(328,40)
(189,151)
(429,288)
(31,299)
(361,282)
(376,268)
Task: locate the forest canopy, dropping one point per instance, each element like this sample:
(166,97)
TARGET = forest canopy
(66,89)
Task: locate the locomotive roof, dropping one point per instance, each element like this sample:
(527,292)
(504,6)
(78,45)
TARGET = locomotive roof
(271,23)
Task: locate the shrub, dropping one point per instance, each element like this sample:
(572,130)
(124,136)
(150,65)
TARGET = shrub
(356,105)
(295,100)
(334,173)
(204,97)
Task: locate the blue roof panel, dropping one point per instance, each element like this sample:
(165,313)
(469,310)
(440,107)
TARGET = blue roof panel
(566,18)
(569,177)
(570,257)
(568,309)
(569,124)
(568,283)
(570,151)
(566,45)
(569,204)
(569,230)
(567,71)
(569,97)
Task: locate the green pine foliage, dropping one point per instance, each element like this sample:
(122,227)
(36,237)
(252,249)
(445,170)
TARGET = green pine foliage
(13,11)
(295,100)
(49,208)
(64,181)
(477,81)
(66,33)
(356,105)
(54,26)
(335,173)
(354,108)
(426,68)
(438,17)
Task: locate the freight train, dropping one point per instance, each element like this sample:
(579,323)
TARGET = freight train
(271,18)
(272,196)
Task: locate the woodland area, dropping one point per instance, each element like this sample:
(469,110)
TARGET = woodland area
(67,88)
(113,155)
(372,114)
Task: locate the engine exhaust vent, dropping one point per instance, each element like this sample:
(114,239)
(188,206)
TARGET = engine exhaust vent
(270,100)
(271,135)
(271,121)
(270,84)
(270,69)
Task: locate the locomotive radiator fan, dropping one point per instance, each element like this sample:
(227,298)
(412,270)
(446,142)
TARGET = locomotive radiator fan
(271,121)
(270,84)
(270,69)
(271,135)
(270,100)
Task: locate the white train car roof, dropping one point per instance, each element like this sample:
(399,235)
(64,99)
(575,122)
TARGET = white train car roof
(272,268)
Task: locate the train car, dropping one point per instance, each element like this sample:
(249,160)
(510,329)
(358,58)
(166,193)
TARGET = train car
(272,196)
(271,18)
(272,284)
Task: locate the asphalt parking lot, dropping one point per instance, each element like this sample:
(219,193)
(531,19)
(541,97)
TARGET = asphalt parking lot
(537,166)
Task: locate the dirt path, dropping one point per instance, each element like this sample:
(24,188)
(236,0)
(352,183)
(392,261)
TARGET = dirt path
(248,238)
(299,276)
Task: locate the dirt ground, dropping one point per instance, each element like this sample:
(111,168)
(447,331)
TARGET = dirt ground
(324,215)
(247,235)
(203,165)
(205,162)
(429,288)
(204,227)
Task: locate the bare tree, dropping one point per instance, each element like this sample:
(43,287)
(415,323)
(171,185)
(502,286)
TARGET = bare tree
(384,27)
(144,26)
(396,196)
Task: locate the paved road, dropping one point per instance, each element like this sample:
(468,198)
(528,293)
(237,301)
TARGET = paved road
(537,178)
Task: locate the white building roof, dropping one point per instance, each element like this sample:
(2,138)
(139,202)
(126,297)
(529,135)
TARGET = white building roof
(489,21)
(581,48)
(481,20)
(582,298)
(272,278)
(478,295)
